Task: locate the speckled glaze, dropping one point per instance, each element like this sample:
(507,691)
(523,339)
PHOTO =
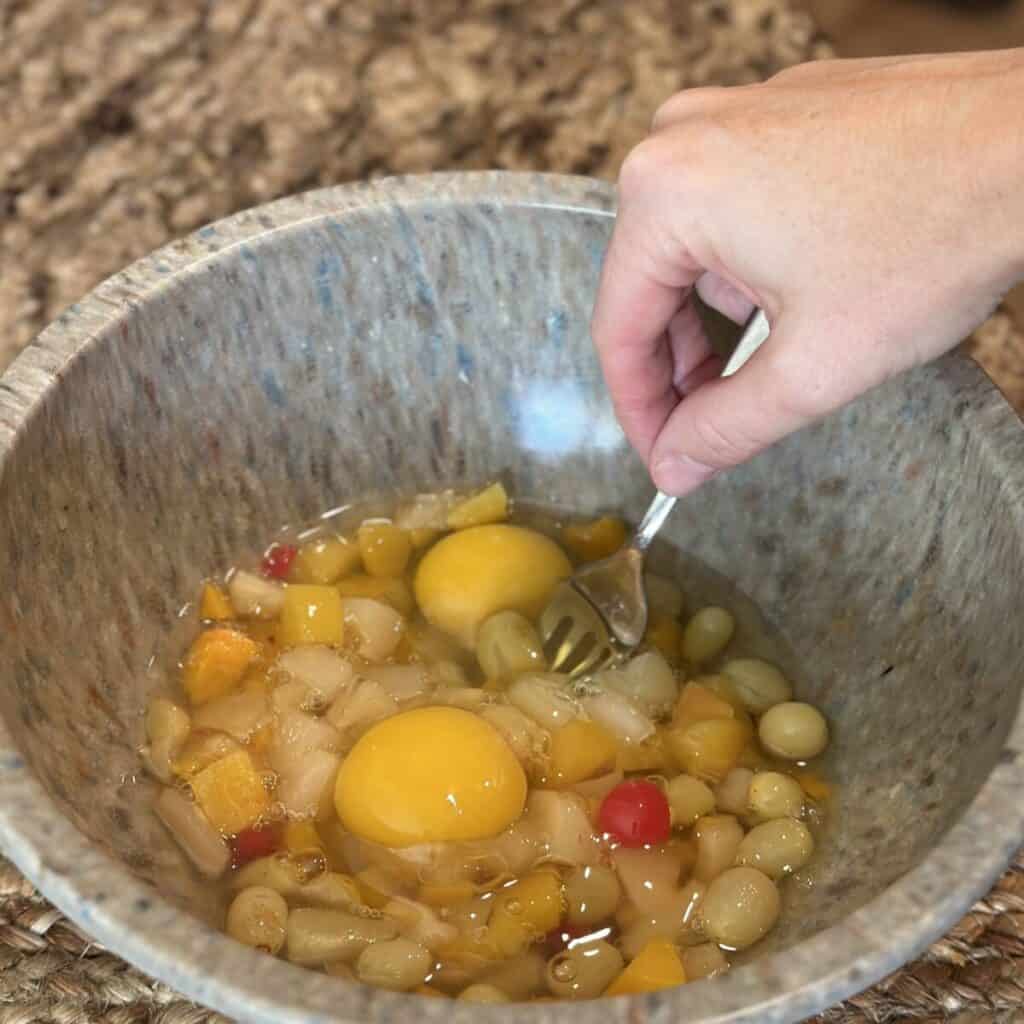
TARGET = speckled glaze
(427,331)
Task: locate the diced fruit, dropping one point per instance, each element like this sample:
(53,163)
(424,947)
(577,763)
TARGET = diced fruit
(488,506)
(377,626)
(580,750)
(231,793)
(666,635)
(657,966)
(325,560)
(441,894)
(324,672)
(277,562)
(709,749)
(525,912)
(635,813)
(301,837)
(311,615)
(255,597)
(306,792)
(374,895)
(385,548)
(648,756)
(507,645)
(238,714)
(663,596)
(253,843)
(697,703)
(216,663)
(193,832)
(814,786)
(395,592)
(200,751)
(707,634)
(167,728)
(215,605)
(596,539)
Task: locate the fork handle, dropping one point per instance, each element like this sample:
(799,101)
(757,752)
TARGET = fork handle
(754,335)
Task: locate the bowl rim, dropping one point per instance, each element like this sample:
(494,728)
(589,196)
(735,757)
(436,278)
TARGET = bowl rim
(130,919)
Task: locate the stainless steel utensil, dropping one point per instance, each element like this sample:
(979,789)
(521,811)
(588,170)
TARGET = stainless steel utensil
(600,612)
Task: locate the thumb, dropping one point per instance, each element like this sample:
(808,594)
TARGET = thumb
(729,420)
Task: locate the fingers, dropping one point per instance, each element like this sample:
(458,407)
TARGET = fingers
(644,284)
(726,422)
(728,300)
(691,351)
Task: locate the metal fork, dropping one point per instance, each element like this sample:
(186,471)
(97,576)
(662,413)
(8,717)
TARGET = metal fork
(600,613)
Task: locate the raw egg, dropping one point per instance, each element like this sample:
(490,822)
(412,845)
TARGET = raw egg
(473,573)
(430,775)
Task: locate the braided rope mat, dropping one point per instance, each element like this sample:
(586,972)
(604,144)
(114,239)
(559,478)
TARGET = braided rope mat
(126,123)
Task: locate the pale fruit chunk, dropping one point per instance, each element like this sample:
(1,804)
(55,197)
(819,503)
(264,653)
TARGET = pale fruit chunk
(469,576)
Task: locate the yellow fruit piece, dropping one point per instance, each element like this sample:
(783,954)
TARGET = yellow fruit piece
(216,663)
(658,965)
(477,946)
(814,786)
(699,704)
(201,749)
(215,605)
(393,592)
(525,912)
(580,750)
(597,539)
(231,793)
(666,635)
(441,894)
(488,506)
(433,774)
(268,633)
(468,576)
(260,741)
(372,896)
(257,680)
(722,686)
(648,756)
(311,615)
(421,536)
(301,837)
(325,560)
(385,547)
(709,749)
(754,758)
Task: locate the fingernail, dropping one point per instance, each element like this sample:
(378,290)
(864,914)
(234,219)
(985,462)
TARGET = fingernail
(679,474)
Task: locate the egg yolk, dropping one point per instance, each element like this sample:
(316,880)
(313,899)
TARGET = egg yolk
(430,775)
(471,574)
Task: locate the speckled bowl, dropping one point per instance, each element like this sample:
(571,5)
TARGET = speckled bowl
(422,332)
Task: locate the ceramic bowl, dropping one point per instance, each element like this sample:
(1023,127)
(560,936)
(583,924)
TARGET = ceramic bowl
(421,332)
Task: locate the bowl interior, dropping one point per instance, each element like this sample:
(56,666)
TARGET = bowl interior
(387,348)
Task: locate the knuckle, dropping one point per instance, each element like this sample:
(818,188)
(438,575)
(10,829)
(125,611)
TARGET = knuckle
(688,104)
(642,167)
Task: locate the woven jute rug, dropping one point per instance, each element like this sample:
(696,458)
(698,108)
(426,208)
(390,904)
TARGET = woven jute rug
(126,123)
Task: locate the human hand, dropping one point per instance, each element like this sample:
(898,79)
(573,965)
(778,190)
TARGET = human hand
(873,208)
